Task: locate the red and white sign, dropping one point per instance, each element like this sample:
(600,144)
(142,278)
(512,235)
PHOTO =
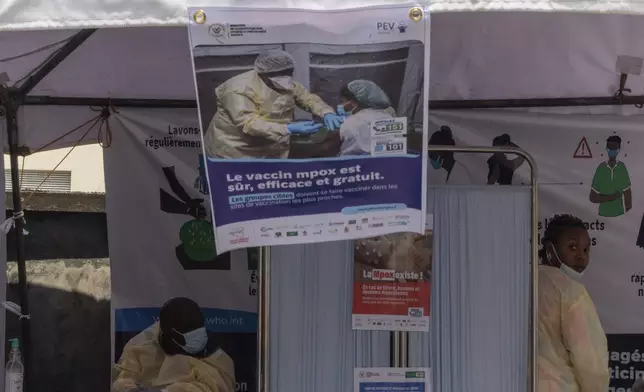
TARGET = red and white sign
(392,278)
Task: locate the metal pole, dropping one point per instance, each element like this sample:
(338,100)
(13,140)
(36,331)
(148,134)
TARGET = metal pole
(395,349)
(534,258)
(25,328)
(263,330)
(433,105)
(404,343)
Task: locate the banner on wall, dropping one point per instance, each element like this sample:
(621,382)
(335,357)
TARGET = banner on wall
(162,247)
(392,380)
(312,121)
(589,166)
(392,275)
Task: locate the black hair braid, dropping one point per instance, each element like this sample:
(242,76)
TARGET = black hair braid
(556,227)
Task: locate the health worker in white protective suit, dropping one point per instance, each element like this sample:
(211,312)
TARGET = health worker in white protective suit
(175,355)
(254,117)
(572,353)
(361,103)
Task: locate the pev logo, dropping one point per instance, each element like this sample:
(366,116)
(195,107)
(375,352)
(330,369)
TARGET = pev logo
(389,27)
(379,274)
(415,312)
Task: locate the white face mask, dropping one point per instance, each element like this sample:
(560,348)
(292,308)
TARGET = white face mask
(283,82)
(572,274)
(195,340)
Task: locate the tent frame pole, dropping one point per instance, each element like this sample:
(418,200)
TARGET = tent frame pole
(11,117)
(532,343)
(11,99)
(263,315)
(637,100)
(41,73)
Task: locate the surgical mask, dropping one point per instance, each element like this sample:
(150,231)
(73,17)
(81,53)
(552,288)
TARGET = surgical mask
(283,82)
(195,340)
(436,164)
(572,274)
(612,153)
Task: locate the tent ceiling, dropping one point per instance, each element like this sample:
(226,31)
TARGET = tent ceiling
(41,14)
(474,56)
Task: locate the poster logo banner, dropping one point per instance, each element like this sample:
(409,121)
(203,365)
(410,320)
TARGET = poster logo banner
(311,126)
(392,379)
(391,289)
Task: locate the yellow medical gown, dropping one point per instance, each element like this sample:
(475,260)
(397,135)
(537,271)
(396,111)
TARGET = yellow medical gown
(573,353)
(251,118)
(143,363)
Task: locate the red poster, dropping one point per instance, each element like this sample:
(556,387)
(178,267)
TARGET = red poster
(392,278)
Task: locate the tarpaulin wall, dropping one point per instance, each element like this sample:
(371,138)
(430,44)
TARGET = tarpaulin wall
(571,154)
(159,247)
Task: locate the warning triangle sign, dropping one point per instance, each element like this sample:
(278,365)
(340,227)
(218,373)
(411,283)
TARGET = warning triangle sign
(583,149)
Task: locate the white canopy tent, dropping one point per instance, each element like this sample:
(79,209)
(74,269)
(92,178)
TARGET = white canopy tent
(66,14)
(477,56)
(84,55)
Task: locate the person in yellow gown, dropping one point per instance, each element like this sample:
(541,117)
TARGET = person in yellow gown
(572,348)
(174,355)
(255,109)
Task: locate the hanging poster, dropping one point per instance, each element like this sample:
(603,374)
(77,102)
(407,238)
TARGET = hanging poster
(162,253)
(589,166)
(313,121)
(392,275)
(392,380)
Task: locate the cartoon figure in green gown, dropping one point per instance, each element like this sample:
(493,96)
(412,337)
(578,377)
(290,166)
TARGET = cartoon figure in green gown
(611,187)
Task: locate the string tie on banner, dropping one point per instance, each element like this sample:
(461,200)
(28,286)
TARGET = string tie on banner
(104,139)
(10,223)
(15,309)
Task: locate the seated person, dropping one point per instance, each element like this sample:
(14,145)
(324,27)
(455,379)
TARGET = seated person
(175,355)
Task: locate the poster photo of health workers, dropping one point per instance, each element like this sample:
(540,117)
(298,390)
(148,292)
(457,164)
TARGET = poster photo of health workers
(303,125)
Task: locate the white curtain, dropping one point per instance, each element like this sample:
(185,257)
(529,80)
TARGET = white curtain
(480,290)
(312,345)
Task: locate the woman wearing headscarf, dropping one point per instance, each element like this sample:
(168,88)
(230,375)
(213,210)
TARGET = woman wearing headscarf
(361,103)
(175,355)
(572,350)
(254,117)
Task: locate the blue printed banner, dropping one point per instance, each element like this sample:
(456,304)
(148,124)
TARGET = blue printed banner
(272,202)
(287,188)
(312,134)
(392,380)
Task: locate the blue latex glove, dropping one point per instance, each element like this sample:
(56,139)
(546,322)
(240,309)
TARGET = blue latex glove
(332,121)
(303,127)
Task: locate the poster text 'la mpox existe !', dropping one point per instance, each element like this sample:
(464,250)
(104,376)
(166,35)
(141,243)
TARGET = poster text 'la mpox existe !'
(313,130)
